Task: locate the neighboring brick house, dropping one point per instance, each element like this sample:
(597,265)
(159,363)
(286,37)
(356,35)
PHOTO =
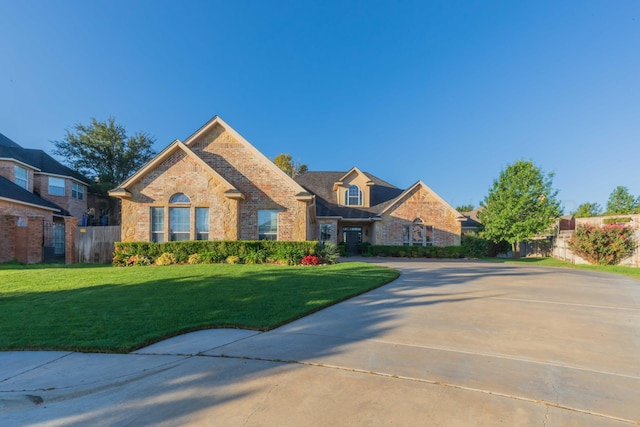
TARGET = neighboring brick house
(38,195)
(217,186)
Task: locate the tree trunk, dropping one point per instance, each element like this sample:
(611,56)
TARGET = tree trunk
(515,250)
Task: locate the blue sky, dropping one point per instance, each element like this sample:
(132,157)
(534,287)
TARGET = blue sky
(448,92)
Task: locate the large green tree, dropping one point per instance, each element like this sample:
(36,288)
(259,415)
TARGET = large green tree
(289,166)
(621,202)
(586,210)
(520,205)
(104,152)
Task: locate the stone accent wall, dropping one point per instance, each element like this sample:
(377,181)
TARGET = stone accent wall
(179,173)
(426,206)
(262,187)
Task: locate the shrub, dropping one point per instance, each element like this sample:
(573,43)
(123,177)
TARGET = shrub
(329,253)
(167,258)
(195,259)
(475,246)
(255,256)
(212,251)
(310,260)
(233,259)
(289,255)
(606,245)
(343,248)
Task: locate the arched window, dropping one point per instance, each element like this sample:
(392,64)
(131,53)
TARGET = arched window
(418,234)
(353,196)
(179,198)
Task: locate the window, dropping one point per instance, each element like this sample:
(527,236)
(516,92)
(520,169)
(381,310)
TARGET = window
(77,191)
(179,224)
(202,223)
(268,225)
(21,177)
(417,234)
(56,186)
(179,198)
(326,230)
(353,196)
(157,225)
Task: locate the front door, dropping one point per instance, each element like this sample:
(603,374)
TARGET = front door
(352,236)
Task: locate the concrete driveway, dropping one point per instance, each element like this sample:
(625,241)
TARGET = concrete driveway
(456,343)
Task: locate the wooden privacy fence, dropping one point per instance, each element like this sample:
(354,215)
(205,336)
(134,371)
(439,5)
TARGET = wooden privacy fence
(95,244)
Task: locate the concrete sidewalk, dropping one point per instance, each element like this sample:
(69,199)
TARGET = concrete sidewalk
(448,343)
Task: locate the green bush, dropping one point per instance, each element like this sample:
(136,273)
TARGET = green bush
(329,253)
(233,259)
(417,251)
(256,251)
(475,246)
(606,245)
(195,259)
(255,256)
(166,258)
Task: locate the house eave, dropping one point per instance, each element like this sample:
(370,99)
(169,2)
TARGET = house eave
(120,193)
(234,195)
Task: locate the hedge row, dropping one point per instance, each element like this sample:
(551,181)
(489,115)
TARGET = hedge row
(414,251)
(205,251)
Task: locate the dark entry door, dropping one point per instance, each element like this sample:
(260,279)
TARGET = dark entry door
(352,236)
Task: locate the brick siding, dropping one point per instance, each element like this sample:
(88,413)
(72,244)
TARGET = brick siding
(430,209)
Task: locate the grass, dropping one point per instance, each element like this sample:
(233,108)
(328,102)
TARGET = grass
(552,262)
(105,309)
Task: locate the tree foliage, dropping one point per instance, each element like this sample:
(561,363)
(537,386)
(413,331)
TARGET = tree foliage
(465,208)
(289,166)
(621,202)
(104,152)
(606,245)
(520,205)
(587,210)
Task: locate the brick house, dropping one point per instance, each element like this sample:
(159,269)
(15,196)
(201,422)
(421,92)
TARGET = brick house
(356,207)
(40,203)
(217,186)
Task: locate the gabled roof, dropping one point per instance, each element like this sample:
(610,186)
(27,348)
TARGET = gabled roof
(409,190)
(6,142)
(177,145)
(301,193)
(14,193)
(36,159)
(351,171)
(321,184)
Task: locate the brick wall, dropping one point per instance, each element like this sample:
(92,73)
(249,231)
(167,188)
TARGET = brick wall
(8,225)
(178,174)
(425,205)
(76,207)
(254,177)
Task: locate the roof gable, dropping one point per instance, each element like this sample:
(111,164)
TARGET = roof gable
(175,146)
(405,194)
(217,121)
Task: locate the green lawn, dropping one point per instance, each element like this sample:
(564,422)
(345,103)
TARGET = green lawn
(552,262)
(105,309)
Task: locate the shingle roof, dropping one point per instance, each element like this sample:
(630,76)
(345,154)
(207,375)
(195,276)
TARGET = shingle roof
(37,159)
(12,191)
(6,142)
(321,184)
